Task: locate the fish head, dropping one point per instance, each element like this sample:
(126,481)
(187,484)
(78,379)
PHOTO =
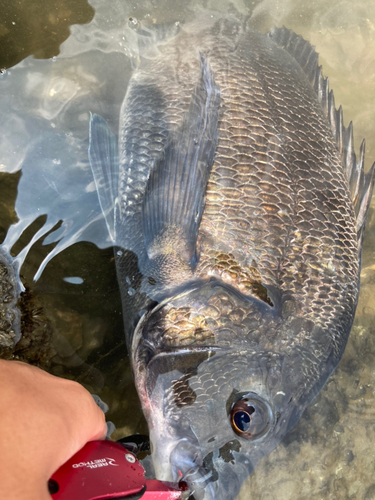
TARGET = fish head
(217,394)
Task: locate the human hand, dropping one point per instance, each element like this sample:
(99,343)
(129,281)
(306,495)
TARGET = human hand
(44,420)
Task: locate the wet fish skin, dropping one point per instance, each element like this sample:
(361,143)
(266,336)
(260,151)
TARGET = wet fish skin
(258,303)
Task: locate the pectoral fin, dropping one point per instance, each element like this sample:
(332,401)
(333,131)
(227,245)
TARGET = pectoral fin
(175,194)
(103,156)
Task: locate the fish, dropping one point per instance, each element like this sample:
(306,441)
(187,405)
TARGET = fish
(237,208)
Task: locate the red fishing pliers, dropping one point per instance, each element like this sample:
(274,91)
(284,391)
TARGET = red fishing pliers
(104,470)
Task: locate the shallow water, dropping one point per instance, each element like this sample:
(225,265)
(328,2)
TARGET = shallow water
(329,454)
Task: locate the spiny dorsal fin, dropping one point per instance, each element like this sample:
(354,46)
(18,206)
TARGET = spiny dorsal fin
(360,184)
(303,52)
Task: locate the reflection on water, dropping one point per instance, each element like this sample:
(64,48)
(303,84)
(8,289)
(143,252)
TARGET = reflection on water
(38,28)
(55,231)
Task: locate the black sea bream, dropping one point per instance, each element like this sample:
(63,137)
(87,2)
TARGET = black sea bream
(237,208)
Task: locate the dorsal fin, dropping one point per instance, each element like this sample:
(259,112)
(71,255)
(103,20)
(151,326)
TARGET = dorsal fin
(360,184)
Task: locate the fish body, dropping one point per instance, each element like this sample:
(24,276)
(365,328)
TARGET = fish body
(237,207)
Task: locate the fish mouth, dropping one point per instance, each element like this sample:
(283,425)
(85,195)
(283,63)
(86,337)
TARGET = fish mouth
(186,459)
(207,479)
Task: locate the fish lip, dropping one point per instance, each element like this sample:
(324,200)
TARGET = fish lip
(198,481)
(186,458)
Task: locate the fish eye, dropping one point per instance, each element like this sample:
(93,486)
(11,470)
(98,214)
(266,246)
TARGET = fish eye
(250,417)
